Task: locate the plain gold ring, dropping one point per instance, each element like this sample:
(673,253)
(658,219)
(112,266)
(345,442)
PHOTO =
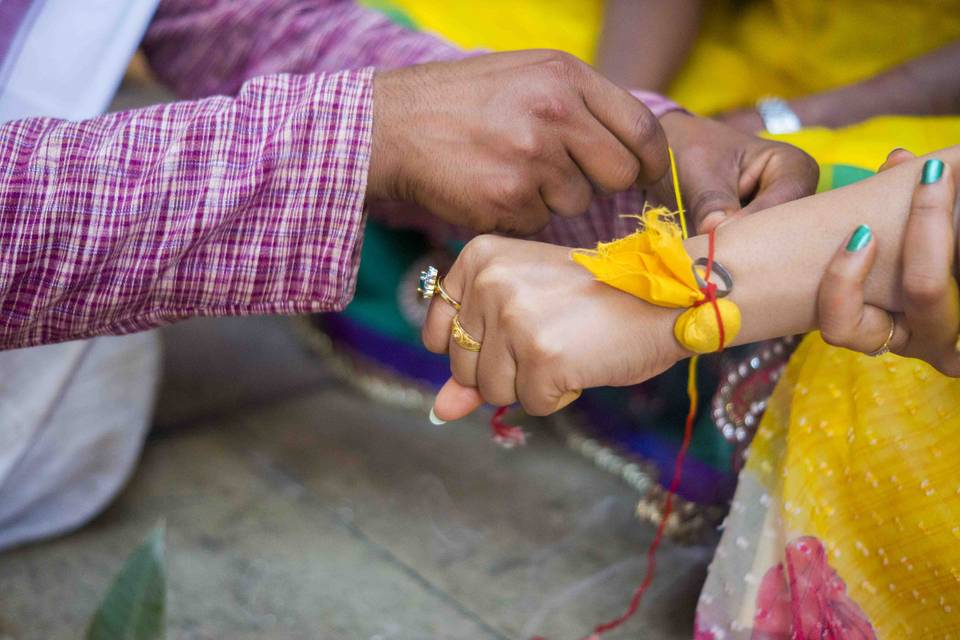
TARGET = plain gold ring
(463,339)
(885,347)
(446,297)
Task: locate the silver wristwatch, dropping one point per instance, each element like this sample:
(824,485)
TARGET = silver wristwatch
(777,116)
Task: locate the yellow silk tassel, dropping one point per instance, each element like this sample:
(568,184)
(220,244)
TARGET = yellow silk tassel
(653,265)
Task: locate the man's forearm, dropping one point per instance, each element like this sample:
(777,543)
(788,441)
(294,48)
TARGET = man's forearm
(778,257)
(224,206)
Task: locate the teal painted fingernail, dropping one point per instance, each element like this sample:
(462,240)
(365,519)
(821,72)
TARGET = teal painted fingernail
(932,170)
(860,238)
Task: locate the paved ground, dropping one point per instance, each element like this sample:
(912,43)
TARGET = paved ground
(296,508)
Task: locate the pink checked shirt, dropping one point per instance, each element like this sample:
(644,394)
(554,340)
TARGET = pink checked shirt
(247,199)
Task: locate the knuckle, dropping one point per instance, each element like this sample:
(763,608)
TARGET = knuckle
(551,106)
(514,318)
(494,277)
(528,145)
(479,249)
(562,65)
(922,288)
(574,203)
(536,401)
(510,192)
(835,277)
(645,128)
(537,407)
(926,204)
(495,392)
(544,353)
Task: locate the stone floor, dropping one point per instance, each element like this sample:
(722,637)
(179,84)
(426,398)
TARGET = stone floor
(297,508)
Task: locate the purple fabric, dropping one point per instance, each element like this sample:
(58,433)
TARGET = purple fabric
(221,206)
(409,361)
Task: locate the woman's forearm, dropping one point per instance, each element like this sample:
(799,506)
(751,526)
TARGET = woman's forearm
(778,257)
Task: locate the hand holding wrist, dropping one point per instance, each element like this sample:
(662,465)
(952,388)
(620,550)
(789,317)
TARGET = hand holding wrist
(501,142)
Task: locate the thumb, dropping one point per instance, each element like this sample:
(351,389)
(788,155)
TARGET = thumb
(710,198)
(454,401)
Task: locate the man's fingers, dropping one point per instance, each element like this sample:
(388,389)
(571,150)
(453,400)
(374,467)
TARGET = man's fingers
(607,163)
(929,289)
(567,192)
(455,401)
(844,319)
(784,177)
(710,193)
(630,121)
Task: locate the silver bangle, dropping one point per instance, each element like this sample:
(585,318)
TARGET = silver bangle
(717,270)
(777,116)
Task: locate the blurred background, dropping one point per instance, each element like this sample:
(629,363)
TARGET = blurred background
(305,494)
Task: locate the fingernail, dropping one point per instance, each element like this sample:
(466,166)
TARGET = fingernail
(860,238)
(434,419)
(567,398)
(932,170)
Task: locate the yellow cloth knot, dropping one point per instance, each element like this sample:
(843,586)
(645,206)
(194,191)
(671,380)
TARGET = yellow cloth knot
(653,265)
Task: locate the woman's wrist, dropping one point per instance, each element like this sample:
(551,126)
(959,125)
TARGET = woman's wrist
(778,257)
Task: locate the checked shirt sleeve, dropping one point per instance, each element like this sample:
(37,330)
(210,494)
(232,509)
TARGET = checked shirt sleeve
(223,206)
(204,47)
(201,47)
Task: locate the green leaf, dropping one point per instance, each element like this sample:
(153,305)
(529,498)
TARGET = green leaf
(134,608)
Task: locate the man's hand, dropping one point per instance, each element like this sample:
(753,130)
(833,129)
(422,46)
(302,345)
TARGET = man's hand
(725,174)
(499,142)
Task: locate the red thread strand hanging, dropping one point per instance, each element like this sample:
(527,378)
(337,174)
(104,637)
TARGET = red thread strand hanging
(710,291)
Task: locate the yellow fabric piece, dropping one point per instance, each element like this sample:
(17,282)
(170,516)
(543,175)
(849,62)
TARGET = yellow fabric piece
(745,50)
(797,47)
(862,453)
(867,144)
(653,265)
(567,25)
(764,47)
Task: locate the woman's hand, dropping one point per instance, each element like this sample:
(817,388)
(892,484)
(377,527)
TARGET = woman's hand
(547,330)
(929,325)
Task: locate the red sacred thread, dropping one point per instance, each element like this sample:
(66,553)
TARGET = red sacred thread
(506,435)
(710,290)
